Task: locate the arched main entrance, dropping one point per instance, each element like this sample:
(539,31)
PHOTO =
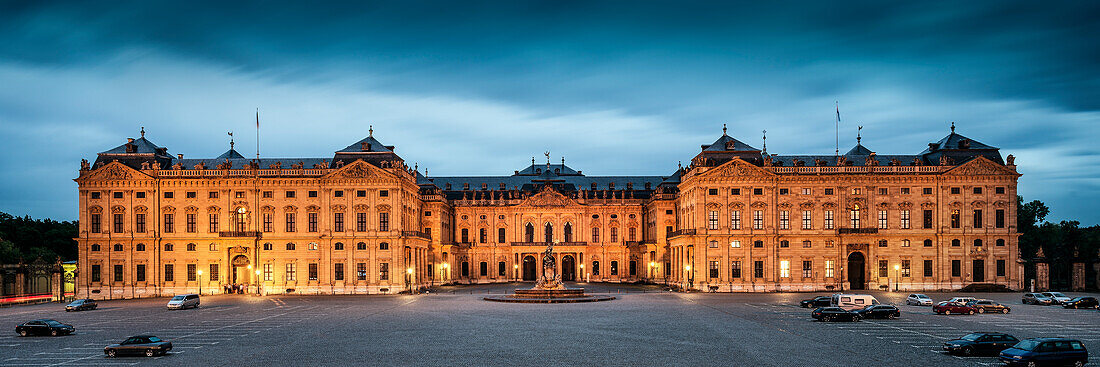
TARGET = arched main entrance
(241,273)
(568,268)
(529,268)
(856,271)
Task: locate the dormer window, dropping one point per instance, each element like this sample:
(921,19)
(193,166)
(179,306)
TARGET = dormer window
(647,186)
(448,186)
(466,186)
(610,185)
(593,186)
(630,186)
(502,186)
(557,171)
(364,146)
(130,148)
(964,144)
(538,171)
(484,186)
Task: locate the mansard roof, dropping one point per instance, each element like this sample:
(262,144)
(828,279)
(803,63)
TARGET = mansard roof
(859,149)
(956,141)
(140,146)
(230,154)
(371,144)
(537,169)
(726,143)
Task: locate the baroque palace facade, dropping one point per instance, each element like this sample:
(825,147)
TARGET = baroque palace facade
(362,221)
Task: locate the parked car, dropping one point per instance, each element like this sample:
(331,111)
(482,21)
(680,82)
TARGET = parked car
(1036,299)
(183,301)
(834,314)
(852,302)
(44,327)
(962,300)
(81,305)
(980,343)
(985,305)
(820,301)
(1057,297)
(1046,351)
(918,300)
(948,308)
(879,312)
(1082,302)
(146,345)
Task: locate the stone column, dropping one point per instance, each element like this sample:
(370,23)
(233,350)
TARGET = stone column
(57,286)
(1078,278)
(20,282)
(1042,276)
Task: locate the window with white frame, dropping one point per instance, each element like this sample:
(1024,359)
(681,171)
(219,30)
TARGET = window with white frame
(291,272)
(904,243)
(735,219)
(784,268)
(829,269)
(267,272)
(784,219)
(757,219)
(904,219)
(882,219)
(735,244)
(712,220)
(828,219)
(807,219)
(855,218)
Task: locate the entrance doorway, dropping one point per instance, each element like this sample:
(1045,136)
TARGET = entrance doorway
(241,273)
(856,271)
(529,268)
(979,271)
(568,268)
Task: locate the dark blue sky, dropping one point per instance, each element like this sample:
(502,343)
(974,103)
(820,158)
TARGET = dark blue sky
(477,88)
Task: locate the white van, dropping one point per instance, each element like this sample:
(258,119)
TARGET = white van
(853,301)
(183,301)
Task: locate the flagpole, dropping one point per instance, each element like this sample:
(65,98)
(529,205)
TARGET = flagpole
(838,130)
(257,137)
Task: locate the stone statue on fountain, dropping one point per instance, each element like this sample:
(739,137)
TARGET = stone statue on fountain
(549,278)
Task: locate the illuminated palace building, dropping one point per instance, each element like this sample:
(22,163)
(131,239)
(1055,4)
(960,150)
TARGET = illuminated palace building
(362,221)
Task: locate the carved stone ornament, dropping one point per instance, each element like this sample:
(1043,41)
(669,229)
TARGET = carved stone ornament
(168,209)
(737,206)
(140,209)
(927,205)
(883,206)
(759,204)
(84,166)
(999,204)
(806,205)
(978,204)
(548,197)
(313,208)
(114,172)
(383,208)
(784,205)
(828,206)
(356,170)
(267,208)
(118,209)
(713,205)
(95,209)
(212,208)
(290,208)
(191,209)
(905,205)
(956,205)
(1011,160)
(978,166)
(361,207)
(738,167)
(339,208)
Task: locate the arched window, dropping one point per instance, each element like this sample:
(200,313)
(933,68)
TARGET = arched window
(956,242)
(140,247)
(338,246)
(1000,242)
(361,246)
(978,243)
(548,233)
(267,246)
(595,268)
(927,243)
(289,246)
(191,247)
(529,233)
(568,232)
(118,247)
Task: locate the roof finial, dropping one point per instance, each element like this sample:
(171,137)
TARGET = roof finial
(370,132)
(765,141)
(532,161)
(723,129)
(563,161)
(230,140)
(858,132)
(416,166)
(680,165)
(547,154)
(143,131)
(952,127)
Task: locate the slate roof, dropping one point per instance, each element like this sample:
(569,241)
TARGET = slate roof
(143,146)
(230,154)
(953,140)
(375,147)
(559,169)
(720,145)
(859,149)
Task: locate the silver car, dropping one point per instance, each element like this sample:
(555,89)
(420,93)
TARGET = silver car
(1057,297)
(918,300)
(183,301)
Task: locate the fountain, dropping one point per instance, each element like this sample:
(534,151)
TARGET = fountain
(549,288)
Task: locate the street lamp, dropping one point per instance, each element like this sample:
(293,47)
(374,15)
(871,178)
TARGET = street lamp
(515,272)
(690,276)
(897,276)
(586,276)
(258,282)
(408,279)
(200,281)
(446,273)
(652,266)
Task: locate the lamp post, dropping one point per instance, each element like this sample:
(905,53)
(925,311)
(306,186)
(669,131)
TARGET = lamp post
(200,281)
(897,276)
(259,283)
(408,279)
(690,276)
(515,272)
(652,269)
(585,274)
(446,273)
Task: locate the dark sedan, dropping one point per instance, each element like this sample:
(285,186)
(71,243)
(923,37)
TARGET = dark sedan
(44,327)
(834,314)
(1082,302)
(980,344)
(880,312)
(985,305)
(81,305)
(146,345)
(821,301)
(948,308)
(1046,352)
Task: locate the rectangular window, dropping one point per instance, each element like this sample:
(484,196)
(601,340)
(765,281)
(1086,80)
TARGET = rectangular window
(384,271)
(291,272)
(828,243)
(712,192)
(191,272)
(807,191)
(956,221)
(213,272)
(807,219)
(830,269)
(338,222)
(361,193)
(882,222)
(784,191)
(290,194)
(633,232)
(268,194)
(712,220)
(904,243)
(905,191)
(213,223)
(595,234)
(854,215)
(117,195)
(757,219)
(735,269)
(361,222)
(905,268)
(758,269)
(139,273)
(1000,268)
(977,218)
(139,223)
(312,194)
(290,222)
(807,244)
(94,224)
(712,269)
(268,276)
(267,222)
(955,191)
(735,191)
(383,193)
(927,268)
(927,219)
(95,273)
(784,244)
(883,191)
(758,244)
(614,234)
(239,194)
(1000,190)
(1000,218)
(312,271)
(501,269)
(857,191)
(978,190)
(169,273)
(758,191)
(383,222)
(735,244)
(828,219)
(904,219)
(883,268)
(828,191)
(311,219)
(735,219)
(190,223)
(117,273)
(361,271)
(168,195)
(117,226)
(338,193)
(807,269)
(213,195)
(501,238)
(483,235)
(956,268)
(784,219)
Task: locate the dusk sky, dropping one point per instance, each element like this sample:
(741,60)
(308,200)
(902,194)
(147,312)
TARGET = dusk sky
(478,88)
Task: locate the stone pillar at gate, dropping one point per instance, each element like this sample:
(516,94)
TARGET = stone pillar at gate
(1042,276)
(20,281)
(1078,279)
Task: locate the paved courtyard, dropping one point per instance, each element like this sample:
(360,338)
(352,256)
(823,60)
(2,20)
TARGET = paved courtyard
(453,326)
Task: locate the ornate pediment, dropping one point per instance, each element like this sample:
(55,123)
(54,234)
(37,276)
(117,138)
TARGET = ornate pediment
(357,169)
(114,171)
(191,209)
(737,168)
(548,197)
(978,167)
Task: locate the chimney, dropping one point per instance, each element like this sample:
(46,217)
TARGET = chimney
(180,155)
(364,146)
(129,140)
(932,147)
